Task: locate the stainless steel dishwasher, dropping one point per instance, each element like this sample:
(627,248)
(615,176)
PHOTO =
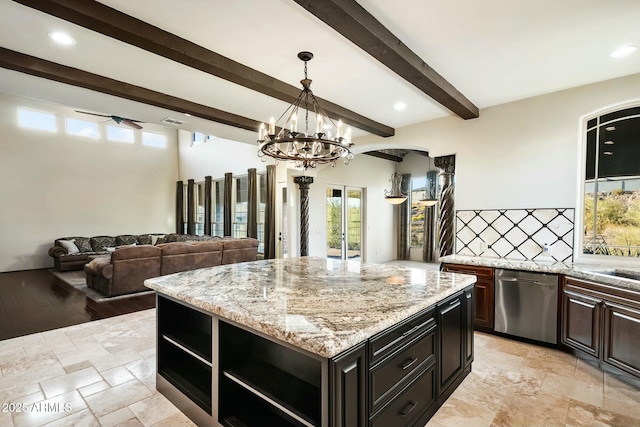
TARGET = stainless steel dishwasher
(526,305)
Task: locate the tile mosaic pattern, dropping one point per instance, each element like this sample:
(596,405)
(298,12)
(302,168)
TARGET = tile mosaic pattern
(518,234)
(105,372)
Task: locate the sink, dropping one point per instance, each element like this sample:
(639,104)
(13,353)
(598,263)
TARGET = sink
(626,274)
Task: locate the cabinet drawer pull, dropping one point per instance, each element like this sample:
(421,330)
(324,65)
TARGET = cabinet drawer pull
(410,331)
(408,363)
(408,408)
(455,301)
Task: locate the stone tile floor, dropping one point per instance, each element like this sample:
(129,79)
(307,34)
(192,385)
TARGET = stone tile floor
(102,373)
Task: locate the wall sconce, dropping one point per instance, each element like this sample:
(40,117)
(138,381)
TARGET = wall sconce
(395,196)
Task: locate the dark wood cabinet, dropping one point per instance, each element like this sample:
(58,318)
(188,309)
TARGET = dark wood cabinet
(348,376)
(581,319)
(621,337)
(451,355)
(468,297)
(483,293)
(602,323)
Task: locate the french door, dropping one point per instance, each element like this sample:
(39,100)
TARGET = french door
(345,213)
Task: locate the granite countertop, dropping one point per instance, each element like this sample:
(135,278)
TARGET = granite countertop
(320,305)
(599,273)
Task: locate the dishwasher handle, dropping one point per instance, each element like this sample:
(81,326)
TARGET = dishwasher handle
(535,282)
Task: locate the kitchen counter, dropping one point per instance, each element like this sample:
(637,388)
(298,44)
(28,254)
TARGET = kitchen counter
(312,342)
(600,273)
(320,305)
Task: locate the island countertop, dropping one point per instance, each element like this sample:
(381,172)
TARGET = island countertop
(320,305)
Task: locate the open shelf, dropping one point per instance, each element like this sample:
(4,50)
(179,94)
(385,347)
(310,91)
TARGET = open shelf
(196,393)
(241,408)
(185,327)
(285,382)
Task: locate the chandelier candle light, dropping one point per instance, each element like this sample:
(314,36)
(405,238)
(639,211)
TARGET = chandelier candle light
(304,148)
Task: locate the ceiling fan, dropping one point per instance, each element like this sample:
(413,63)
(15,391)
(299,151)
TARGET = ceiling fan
(119,120)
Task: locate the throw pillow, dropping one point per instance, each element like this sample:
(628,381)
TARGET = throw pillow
(144,239)
(69,245)
(109,249)
(154,239)
(83,244)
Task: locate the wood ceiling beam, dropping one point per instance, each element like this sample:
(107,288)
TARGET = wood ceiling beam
(385,156)
(50,70)
(110,22)
(351,20)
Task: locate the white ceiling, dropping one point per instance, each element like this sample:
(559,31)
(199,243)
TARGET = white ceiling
(493,51)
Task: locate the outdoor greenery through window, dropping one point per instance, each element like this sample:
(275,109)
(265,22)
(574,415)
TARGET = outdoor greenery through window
(612,185)
(418,186)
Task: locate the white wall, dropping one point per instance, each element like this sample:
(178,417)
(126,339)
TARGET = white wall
(373,175)
(217,157)
(523,154)
(56,185)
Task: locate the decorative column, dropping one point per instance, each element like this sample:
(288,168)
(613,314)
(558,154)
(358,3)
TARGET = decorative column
(446,224)
(303,183)
(207,205)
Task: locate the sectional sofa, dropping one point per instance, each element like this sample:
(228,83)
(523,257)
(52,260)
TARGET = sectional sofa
(72,253)
(128,267)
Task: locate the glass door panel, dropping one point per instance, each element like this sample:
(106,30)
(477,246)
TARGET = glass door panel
(354,224)
(335,223)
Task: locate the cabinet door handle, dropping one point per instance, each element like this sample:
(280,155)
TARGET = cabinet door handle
(408,408)
(410,331)
(408,363)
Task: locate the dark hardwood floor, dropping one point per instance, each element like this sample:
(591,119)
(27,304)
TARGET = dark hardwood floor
(36,301)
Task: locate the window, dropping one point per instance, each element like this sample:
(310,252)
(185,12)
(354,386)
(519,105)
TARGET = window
(262,203)
(151,139)
(82,128)
(115,133)
(241,207)
(418,187)
(611,214)
(198,192)
(38,120)
(201,138)
(217,222)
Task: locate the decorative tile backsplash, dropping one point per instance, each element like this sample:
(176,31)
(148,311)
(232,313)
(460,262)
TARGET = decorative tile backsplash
(519,234)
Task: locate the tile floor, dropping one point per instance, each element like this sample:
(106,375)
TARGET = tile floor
(102,373)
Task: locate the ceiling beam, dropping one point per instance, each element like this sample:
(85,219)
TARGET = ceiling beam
(110,22)
(382,155)
(351,20)
(50,70)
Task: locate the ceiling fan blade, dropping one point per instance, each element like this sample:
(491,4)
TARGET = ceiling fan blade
(131,123)
(93,114)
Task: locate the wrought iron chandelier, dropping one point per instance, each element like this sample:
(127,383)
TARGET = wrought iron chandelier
(329,143)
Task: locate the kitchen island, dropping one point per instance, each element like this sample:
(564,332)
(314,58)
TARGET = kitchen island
(312,342)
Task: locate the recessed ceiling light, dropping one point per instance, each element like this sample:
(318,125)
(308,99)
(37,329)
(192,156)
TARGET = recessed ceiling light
(61,38)
(607,153)
(610,128)
(399,106)
(623,51)
(608,143)
(187,114)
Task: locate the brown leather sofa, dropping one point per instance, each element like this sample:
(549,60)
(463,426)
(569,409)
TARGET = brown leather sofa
(128,267)
(126,270)
(178,256)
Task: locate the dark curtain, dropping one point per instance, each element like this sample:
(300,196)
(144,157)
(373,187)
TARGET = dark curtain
(252,205)
(270,215)
(228,184)
(191,202)
(404,220)
(179,207)
(207,205)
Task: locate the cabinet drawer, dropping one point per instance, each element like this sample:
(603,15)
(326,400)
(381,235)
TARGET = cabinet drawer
(386,342)
(479,272)
(408,361)
(412,402)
